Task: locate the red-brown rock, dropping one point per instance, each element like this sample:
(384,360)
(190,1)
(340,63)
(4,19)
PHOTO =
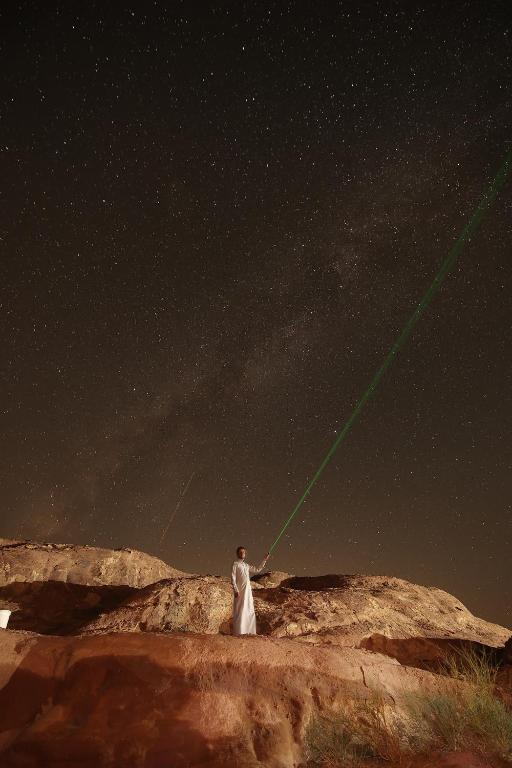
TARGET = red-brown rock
(177,701)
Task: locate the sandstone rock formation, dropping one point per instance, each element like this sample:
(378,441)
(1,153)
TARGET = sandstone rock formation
(412,623)
(189,604)
(179,700)
(93,566)
(137,667)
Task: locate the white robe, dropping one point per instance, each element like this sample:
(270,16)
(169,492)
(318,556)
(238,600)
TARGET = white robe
(244,618)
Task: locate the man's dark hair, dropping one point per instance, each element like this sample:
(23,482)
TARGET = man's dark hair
(238,551)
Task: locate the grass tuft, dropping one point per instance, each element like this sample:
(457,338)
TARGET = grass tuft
(468,716)
(333,740)
(363,731)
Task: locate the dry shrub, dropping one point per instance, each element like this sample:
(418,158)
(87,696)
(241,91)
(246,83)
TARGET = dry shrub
(467,716)
(364,730)
(470,716)
(471,665)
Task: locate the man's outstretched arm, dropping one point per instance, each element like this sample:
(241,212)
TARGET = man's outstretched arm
(258,568)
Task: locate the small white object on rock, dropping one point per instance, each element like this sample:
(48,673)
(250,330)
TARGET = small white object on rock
(4,619)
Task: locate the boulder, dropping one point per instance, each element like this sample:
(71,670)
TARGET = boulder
(92,566)
(192,604)
(411,622)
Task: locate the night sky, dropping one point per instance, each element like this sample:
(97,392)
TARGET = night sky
(214,221)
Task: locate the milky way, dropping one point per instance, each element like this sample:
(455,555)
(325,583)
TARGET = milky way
(214,222)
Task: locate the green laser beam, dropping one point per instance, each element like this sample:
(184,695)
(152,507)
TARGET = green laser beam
(446,266)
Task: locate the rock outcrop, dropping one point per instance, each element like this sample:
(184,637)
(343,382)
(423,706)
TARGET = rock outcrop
(92,566)
(414,624)
(114,659)
(349,608)
(152,701)
(193,604)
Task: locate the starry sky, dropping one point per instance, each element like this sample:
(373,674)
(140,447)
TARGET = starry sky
(215,219)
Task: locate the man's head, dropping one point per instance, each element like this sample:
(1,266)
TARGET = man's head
(241,553)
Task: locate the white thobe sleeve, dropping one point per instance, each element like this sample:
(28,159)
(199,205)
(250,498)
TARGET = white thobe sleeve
(256,568)
(233,577)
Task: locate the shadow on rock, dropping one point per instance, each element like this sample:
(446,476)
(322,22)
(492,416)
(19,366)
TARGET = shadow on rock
(59,607)
(114,711)
(317,583)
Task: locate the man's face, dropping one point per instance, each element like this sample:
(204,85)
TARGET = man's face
(242,554)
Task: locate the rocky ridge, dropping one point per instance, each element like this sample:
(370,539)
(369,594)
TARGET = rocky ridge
(114,658)
(93,566)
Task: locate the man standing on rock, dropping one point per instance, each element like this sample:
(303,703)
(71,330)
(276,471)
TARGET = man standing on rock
(244,618)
